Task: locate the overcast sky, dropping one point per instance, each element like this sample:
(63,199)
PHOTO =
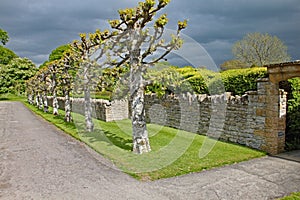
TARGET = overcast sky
(36,27)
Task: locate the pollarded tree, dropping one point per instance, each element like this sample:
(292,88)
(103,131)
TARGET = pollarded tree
(30,90)
(93,45)
(65,80)
(53,70)
(137,45)
(260,49)
(43,87)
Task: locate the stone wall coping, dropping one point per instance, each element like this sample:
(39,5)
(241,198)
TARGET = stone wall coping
(226,97)
(101,101)
(292,63)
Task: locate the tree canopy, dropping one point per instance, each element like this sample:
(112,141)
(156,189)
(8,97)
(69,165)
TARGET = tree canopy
(260,49)
(14,75)
(6,55)
(58,53)
(4,38)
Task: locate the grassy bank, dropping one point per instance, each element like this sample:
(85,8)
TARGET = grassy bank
(174,152)
(293,196)
(11,97)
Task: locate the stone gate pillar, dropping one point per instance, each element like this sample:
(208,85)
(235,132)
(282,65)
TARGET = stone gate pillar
(272,99)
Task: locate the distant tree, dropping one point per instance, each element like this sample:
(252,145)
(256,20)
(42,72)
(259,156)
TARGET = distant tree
(65,80)
(233,64)
(58,53)
(4,38)
(14,75)
(260,49)
(53,70)
(6,55)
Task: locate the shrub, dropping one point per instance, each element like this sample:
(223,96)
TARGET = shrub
(239,81)
(293,115)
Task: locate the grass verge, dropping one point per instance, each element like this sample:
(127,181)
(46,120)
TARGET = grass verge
(293,196)
(11,97)
(174,152)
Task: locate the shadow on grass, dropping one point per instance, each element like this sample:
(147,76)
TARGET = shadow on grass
(108,137)
(4,99)
(99,135)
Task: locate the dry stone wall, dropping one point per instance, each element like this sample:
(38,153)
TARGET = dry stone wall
(256,119)
(102,109)
(226,117)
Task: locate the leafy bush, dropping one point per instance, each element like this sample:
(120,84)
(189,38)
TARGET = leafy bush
(14,75)
(293,115)
(203,81)
(239,81)
(166,81)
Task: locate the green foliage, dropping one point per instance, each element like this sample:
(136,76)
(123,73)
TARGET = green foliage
(110,77)
(4,38)
(14,75)
(6,55)
(202,81)
(199,79)
(166,81)
(58,53)
(293,196)
(293,115)
(239,81)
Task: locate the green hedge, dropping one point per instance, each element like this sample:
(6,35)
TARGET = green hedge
(239,81)
(203,81)
(293,115)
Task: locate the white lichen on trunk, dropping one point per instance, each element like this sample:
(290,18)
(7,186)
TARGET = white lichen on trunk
(41,102)
(88,110)
(139,128)
(89,125)
(55,104)
(45,102)
(37,100)
(68,117)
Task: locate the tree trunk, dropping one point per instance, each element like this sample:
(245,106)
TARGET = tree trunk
(88,110)
(139,129)
(41,102)
(45,102)
(30,99)
(87,96)
(37,102)
(68,117)
(55,104)
(140,134)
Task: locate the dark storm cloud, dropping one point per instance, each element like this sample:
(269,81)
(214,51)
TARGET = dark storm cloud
(38,27)
(217,24)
